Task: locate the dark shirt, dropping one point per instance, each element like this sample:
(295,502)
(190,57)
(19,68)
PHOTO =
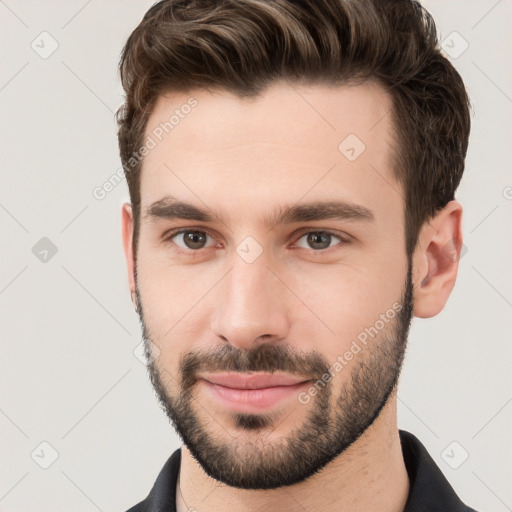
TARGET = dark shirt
(429,490)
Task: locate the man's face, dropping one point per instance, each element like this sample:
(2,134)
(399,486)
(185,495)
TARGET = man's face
(324,299)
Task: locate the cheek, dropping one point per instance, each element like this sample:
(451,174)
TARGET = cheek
(346,300)
(172,298)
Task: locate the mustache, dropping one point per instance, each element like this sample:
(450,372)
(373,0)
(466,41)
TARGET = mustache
(266,357)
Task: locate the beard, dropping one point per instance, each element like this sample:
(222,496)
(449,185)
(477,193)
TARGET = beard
(334,421)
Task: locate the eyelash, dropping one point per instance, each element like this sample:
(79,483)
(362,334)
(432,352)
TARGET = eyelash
(344,239)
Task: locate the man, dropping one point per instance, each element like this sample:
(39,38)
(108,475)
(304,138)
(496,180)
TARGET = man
(292,169)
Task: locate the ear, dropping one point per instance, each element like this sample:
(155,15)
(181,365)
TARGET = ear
(436,260)
(127,229)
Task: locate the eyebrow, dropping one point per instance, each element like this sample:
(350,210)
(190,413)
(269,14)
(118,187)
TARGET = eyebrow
(170,208)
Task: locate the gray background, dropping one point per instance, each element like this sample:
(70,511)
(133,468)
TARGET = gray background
(68,375)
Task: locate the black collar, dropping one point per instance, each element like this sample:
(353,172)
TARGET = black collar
(429,490)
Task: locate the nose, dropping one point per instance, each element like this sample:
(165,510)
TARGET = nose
(252,305)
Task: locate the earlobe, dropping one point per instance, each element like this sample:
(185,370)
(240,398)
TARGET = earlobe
(436,260)
(127,232)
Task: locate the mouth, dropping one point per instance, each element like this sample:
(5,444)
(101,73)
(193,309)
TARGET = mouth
(252,392)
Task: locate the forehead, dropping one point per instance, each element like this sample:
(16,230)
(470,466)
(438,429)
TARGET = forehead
(291,141)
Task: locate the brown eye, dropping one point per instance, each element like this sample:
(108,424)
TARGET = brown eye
(192,239)
(319,240)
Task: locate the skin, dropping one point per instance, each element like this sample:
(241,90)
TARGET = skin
(243,158)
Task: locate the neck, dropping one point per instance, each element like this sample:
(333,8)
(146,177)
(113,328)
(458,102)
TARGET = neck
(369,476)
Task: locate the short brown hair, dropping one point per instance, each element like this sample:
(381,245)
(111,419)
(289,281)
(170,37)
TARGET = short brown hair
(242,46)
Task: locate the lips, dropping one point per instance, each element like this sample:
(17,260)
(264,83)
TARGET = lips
(252,393)
(253,381)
